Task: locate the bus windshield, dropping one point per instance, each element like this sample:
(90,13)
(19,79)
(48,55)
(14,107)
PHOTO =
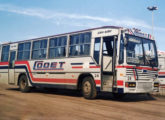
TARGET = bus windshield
(141,51)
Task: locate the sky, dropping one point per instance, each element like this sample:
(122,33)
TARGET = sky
(27,19)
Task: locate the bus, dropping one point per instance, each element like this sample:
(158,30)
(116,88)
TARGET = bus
(161,74)
(105,59)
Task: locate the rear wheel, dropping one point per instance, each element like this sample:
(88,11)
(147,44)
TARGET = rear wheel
(89,88)
(23,84)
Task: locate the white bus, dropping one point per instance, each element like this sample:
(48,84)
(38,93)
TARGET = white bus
(111,59)
(161,58)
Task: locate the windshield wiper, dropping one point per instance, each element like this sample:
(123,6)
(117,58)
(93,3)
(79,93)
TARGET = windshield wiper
(149,61)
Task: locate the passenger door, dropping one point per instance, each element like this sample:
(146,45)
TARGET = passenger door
(108,62)
(11,67)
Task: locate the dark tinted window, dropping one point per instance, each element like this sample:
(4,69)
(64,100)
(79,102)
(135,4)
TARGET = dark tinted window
(97,50)
(57,47)
(39,49)
(5,53)
(80,44)
(24,51)
(121,54)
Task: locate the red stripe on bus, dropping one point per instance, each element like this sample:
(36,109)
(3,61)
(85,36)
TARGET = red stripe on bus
(77,67)
(94,66)
(120,83)
(134,74)
(161,73)
(143,68)
(98,82)
(46,79)
(4,63)
(55,80)
(124,66)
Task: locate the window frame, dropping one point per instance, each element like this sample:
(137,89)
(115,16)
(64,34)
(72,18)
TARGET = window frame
(32,46)
(58,46)
(24,50)
(80,43)
(5,52)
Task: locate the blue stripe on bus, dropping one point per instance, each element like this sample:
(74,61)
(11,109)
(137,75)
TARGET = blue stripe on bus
(161,76)
(91,63)
(27,72)
(4,67)
(76,63)
(24,67)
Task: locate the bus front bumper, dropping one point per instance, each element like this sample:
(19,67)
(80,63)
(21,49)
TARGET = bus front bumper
(139,87)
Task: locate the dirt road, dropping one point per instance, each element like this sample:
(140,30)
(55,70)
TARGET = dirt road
(69,105)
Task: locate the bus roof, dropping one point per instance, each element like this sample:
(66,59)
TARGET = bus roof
(113,27)
(86,30)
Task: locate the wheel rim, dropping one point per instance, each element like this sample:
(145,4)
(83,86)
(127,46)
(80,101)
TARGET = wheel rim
(87,88)
(23,84)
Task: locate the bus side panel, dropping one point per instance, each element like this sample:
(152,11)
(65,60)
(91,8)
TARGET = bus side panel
(3,77)
(4,72)
(119,83)
(18,72)
(161,77)
(61,72)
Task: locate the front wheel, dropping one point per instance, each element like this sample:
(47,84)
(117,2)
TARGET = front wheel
(89,88)
(23,84)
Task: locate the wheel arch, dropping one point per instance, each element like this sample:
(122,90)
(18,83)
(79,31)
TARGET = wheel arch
(20,76)
(81,77)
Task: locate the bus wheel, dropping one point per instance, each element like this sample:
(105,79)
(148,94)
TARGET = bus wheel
(89,88)
(23,84)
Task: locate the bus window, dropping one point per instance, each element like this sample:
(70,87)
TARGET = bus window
(57,47)
(5,53)
(80,44)
(97,50)
(39,49)
(24,51)
(121,54)
(85,44)
(108,46)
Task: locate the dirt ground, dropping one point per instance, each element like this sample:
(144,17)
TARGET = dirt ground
(55,104)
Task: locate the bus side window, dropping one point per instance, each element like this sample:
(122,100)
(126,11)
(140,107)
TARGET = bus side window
(97,50)
(5,53)
(24,51)
(39,49)
(57,47)
(80,44)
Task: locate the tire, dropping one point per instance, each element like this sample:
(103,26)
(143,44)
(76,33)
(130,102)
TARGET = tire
(118,95)
(89,88)
(23,84)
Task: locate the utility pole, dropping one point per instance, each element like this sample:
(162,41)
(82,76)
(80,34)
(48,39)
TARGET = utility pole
(152,8)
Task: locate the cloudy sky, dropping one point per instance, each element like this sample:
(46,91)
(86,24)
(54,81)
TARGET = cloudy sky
(26,19)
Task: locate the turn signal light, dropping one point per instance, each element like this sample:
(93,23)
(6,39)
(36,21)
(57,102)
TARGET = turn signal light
(130,84)
(156,84)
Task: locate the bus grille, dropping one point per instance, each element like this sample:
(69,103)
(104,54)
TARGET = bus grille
(144,85)
(141,74)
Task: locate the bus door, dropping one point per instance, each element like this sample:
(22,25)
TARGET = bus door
(108,62)
(11,67)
